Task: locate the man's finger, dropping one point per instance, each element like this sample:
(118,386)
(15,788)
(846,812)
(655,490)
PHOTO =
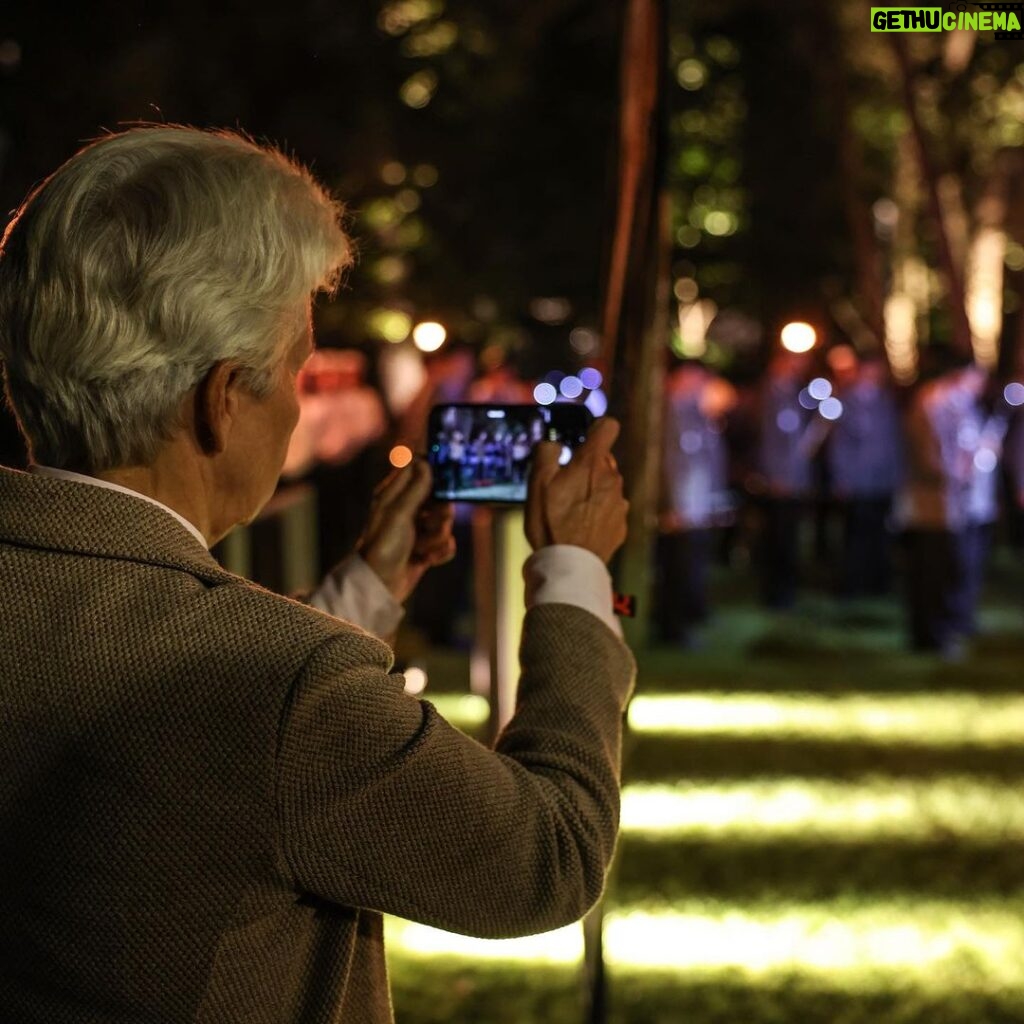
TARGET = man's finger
(409,489)
(544,463)
(543,469)
(602,435)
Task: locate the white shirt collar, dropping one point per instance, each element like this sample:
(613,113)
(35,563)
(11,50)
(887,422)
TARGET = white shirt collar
(67,474)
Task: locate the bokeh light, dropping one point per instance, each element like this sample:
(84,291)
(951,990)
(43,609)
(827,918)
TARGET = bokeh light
(788,421)
(418,90)
(425,175)
(429,336)
(686,290)
(415,679)
(591,378)
(1014,393)
(820,389)
(831,409)
(390,324)
(583,340)
(691,74)
(571,387)
(544,393)
(400,456)
(985,460)
(393,173)
(597,403)
(798,337)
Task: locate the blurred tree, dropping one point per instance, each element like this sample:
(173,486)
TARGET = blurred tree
(950,155)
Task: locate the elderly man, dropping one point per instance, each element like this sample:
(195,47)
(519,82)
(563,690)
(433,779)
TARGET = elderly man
(210,793)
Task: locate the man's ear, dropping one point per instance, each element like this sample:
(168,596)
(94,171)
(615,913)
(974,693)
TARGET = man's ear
(216,402)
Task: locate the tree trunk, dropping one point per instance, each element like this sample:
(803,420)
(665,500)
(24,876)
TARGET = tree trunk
(870,287)
(930,180)
(1011,350)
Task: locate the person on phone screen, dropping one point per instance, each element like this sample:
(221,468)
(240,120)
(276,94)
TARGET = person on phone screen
(209,793)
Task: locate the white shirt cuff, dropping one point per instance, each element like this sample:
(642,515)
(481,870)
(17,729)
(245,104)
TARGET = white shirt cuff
(566,574)
(354,592)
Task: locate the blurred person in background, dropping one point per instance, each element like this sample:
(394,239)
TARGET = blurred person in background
(339,413)
(788,439)
(498,381)
(982,434)
(339,445)
(695,497)
(1013,472)
(865,461)
(209,793)
(941,498)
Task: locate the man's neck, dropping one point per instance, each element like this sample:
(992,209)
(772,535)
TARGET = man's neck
(175,486)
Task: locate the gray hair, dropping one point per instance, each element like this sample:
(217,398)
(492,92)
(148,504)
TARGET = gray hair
(143,260)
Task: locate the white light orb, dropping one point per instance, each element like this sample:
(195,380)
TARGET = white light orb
(798,337)
(571,387)
(820,389)
(545,393)
(429,336)
(831,409)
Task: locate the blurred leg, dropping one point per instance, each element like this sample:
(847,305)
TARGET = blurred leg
(780,551)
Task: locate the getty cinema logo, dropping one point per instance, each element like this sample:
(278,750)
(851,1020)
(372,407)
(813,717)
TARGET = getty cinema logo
(1003,19)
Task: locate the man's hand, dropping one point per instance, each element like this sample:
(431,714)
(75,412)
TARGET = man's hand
(407,532)
(580,503)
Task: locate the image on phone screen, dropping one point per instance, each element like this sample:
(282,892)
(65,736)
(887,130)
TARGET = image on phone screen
(481,453)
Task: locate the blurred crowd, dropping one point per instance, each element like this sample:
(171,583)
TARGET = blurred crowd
(825,469)
(821,473)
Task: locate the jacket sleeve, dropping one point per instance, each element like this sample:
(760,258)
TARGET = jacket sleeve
(384,805)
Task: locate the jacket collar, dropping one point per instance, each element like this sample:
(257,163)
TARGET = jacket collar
(78,518)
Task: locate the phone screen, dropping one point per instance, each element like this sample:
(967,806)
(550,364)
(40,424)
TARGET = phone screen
(481,453)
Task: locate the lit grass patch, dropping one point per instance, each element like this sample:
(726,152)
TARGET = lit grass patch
(874,807)
(933,946)
(930,945)
(916,719)
(465,710)
(562,946)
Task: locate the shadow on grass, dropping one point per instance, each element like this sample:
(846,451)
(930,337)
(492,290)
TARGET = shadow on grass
(661,998)
(663,757)
(677,869)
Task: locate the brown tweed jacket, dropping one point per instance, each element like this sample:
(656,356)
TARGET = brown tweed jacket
(209,793)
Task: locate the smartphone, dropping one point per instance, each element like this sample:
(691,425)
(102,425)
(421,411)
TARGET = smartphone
(482,453)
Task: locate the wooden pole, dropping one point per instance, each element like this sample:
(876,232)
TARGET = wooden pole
(634,335)
(637,290)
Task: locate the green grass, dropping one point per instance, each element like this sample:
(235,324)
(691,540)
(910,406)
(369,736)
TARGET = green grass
(824,829)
